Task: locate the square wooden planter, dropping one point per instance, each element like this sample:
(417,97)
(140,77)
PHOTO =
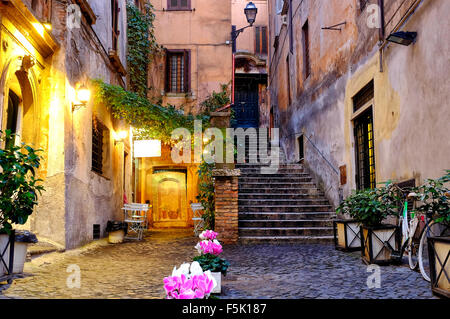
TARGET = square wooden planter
(439,255)
(374,241)
(347,234)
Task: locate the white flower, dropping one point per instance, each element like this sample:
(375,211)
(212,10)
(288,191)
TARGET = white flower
(202,235)
(183,270)
(196,269)
(199,249)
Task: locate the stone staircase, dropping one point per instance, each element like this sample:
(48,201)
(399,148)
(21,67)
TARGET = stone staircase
(282,207)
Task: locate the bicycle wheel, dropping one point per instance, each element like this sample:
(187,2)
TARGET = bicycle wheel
(433,229)
(413,245)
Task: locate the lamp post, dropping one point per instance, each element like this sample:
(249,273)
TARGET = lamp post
(250,13)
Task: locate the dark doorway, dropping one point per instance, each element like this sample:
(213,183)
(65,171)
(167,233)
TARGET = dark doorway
(246,109)
(365,151)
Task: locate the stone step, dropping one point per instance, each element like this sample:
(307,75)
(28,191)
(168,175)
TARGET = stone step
(283,202)
(285,215)
(286,231)
(268,190)
(285,208)
(275,185)
(273,179)
(279,174)
(278,195)
(261,223)
(276,240)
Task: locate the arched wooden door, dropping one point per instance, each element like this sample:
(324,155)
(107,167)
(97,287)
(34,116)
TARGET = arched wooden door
(169,199)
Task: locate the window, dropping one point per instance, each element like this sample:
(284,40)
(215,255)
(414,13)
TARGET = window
(261,40)
(365,152)
(363,96)
(288,75)
(291,29)
(362,4)
(307,64)
(115,23)
(100,138)
(301,148)
(178,4)
(178,71)
(12,116)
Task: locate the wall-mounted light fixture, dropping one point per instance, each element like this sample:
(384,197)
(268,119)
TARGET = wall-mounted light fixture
(403,38)
(120,137)
(83,95)
(147,148)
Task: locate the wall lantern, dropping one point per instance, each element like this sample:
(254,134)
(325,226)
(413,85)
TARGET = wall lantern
(403,38)
(120,137)
(147,148)
(250,13)
(83,95)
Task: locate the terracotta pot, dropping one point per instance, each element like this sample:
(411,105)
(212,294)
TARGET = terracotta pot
(116,237)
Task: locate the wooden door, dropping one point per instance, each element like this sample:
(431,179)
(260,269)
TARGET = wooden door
(246,109)
(169,199)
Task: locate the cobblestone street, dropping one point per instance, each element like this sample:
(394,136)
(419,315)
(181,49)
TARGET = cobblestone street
(136,270)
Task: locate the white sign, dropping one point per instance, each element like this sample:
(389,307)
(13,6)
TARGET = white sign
(147,148)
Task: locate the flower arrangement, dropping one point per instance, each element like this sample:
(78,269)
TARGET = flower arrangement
(189,282)
(210,249)
(208,235)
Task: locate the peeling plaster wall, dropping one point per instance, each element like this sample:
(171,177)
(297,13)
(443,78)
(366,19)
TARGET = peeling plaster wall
(411,115)
(75,197)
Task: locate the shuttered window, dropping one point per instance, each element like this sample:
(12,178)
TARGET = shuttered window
(178,4)
(306,59)
(115,23)
(261,40)
(98,131)
(178,71)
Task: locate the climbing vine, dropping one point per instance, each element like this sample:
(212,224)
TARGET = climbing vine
(150,121)
(141,46)
(216,100)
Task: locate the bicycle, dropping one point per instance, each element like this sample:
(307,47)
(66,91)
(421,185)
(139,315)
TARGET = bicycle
(415,234)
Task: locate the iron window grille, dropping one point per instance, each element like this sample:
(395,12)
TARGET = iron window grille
(261,40)
(98,130)
(365,151)
(178,71)
(178,5)
(307,64)
(364,96)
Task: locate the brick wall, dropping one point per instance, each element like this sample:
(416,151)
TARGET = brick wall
(226,192)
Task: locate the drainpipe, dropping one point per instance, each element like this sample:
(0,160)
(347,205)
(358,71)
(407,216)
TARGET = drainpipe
(381,31)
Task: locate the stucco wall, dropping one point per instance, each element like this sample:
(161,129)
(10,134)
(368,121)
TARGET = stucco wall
(75,197)
(410,112)
(204,31)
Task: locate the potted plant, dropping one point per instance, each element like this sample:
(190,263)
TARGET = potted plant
(210,249)
(19,189)
(116,231)
(434,248)
(370,208)
(189,282)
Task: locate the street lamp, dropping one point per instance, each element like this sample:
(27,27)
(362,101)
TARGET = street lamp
(403,38)
(83,96)
(250,13)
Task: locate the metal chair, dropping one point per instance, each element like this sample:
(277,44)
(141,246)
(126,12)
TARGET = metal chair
(135,215)
(199,222)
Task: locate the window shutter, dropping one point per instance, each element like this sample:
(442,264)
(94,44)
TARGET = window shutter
(167,82)
(187,71)
(257,40)
(264,40)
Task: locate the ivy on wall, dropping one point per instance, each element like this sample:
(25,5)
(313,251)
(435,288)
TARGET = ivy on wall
(141,46)
(151,121)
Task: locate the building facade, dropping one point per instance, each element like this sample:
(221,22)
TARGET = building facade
(50,51)
(196,60)
(356,109)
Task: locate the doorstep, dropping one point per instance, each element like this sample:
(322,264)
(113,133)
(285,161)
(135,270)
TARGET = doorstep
(42,247)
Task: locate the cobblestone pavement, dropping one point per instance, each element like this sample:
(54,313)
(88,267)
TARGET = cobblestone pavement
(136,270)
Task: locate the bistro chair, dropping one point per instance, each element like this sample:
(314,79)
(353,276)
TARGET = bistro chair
(135,215)
(199,222)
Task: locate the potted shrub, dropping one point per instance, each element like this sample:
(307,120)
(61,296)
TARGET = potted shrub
(434,248)
(370,208)
(116,231)
(347,234)
(19,189)
(210,249)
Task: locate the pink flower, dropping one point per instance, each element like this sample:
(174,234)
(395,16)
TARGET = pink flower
(208,235)
(209,247)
